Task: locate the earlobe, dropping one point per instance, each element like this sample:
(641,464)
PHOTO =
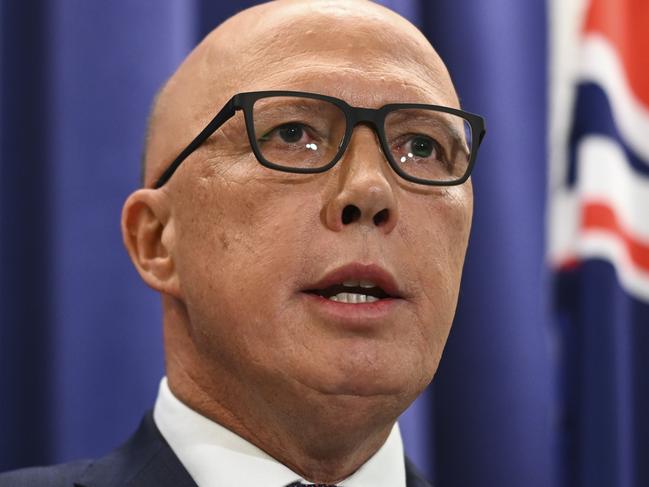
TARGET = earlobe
(147,230)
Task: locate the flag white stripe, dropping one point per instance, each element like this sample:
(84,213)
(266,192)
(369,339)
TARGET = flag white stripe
(605,175)
(599,63)
(566,17)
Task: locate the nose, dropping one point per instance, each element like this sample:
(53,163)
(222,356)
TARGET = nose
(365,192)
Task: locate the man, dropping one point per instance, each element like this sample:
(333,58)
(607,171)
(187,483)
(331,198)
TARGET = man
(308,253)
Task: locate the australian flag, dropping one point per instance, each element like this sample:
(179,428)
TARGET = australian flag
(599,237)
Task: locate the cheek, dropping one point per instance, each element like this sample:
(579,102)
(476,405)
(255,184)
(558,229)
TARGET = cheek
(439,232)
(449,232)
(436,236)
(234,259)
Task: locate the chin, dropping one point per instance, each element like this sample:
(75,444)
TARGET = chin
(363,380)
(380,369)
(368,400)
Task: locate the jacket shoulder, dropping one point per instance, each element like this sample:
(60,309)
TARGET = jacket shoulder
(63,475)
(144,460)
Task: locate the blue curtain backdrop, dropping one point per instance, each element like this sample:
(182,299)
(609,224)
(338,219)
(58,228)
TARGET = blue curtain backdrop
(80,335)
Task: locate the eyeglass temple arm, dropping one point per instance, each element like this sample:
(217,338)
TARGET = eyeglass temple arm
(224,115)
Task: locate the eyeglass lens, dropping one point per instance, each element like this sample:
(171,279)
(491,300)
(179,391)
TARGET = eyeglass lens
(306,133)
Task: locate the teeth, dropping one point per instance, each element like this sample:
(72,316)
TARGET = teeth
(350,283)
(353,298)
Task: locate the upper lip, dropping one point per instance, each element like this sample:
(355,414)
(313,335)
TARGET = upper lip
(359,272)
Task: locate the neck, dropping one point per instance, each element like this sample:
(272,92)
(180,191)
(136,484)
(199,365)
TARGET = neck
(323,438)
(319,449)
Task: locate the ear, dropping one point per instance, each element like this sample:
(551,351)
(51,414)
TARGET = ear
(149,237)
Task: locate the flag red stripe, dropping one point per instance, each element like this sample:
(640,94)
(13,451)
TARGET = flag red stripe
(569,263)
(625,23)
(600,217)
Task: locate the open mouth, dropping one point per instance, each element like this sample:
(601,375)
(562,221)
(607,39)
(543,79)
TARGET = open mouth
(356,283)
(352,292)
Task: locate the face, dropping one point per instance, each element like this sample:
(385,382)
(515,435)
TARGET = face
(258,253)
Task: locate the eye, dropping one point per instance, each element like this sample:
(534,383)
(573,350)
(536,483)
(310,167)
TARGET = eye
(417,147)
(420,152)
(289,132)
(422,146)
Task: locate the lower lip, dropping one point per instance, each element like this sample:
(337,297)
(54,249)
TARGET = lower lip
(359,314)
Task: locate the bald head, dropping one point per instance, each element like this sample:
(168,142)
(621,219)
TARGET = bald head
(280,44)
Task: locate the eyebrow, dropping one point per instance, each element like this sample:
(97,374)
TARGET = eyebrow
(303,105)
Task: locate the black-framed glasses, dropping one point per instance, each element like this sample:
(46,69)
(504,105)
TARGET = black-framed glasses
(299,132)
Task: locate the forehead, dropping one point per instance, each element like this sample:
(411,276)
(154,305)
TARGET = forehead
(359,55)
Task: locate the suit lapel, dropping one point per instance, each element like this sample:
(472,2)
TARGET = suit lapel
(145,460)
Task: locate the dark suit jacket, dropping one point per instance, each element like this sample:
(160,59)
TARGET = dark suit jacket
(145,460)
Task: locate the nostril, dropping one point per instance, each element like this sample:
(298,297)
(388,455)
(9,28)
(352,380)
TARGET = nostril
(381,217)
(351,214)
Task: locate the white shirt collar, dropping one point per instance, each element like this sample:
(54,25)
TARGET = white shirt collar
(215,456)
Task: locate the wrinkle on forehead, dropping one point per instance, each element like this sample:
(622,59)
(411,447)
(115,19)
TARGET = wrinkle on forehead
(287,43)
